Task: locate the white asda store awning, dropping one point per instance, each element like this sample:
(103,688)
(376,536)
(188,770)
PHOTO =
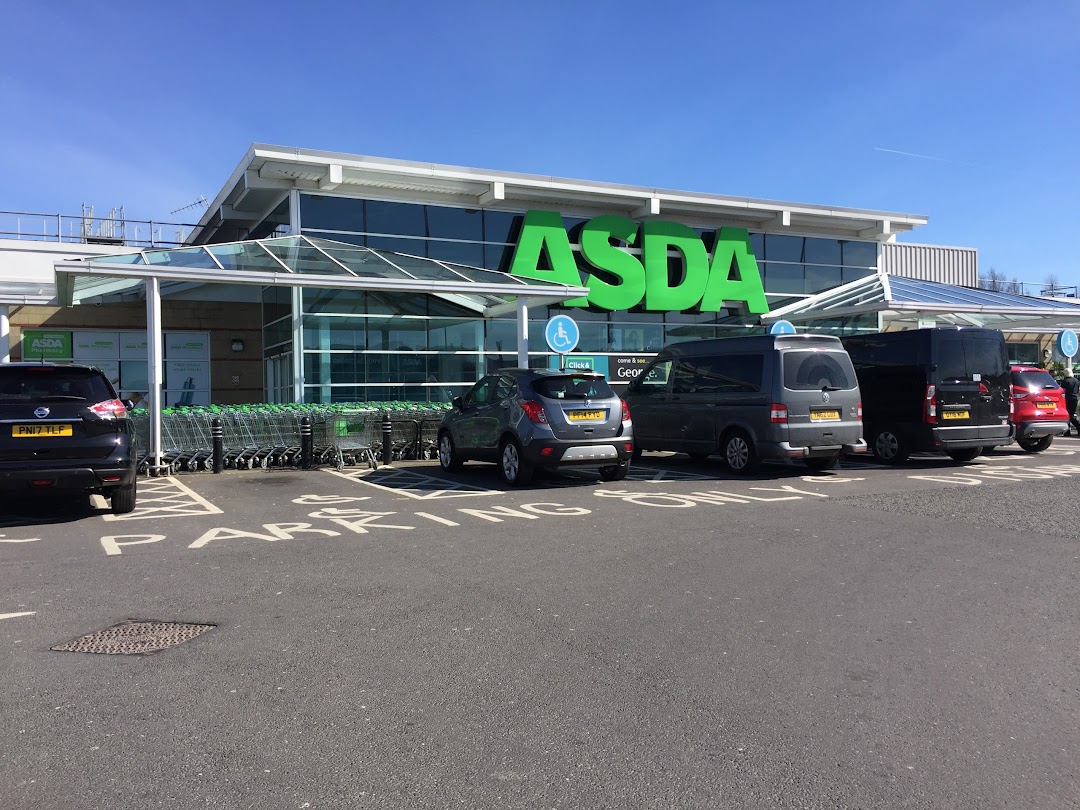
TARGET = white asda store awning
(296,262)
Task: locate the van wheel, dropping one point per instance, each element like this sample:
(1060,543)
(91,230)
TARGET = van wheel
(1035,445)
(514,469)
(635,454)
(740,454)
(615,472)
(889,448)
(821,463)
(966,454)
(990,448)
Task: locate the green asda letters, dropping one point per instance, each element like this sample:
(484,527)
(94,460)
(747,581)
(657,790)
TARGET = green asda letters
(619,281)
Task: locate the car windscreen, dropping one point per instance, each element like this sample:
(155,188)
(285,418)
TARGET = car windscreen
(44,383)
(818,371)
(1034,380)
(573,386)
(960,356)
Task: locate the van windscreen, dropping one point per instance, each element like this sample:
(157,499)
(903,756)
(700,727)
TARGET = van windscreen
(818,371)
(961,356)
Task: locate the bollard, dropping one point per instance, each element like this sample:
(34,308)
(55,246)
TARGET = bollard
(387,440)
(306,444)
(217,435)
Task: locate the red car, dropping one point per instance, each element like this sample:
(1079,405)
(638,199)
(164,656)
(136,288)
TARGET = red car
(1039,412)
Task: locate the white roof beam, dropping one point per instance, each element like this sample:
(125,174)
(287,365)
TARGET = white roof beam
(496,193)
(651,208)
(332,179)
(882,230)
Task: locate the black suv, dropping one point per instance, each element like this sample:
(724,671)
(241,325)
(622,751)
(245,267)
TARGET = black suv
(62,428)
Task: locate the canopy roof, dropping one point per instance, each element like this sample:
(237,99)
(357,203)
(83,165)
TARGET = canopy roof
(303,261)
(902,300)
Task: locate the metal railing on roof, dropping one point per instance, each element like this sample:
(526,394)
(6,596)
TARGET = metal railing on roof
(115,229)
(1030,288)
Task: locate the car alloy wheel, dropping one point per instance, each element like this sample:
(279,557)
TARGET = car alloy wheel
(448,459)
(515,470)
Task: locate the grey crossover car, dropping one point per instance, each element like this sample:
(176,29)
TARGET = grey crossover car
(523,419)
(64,433)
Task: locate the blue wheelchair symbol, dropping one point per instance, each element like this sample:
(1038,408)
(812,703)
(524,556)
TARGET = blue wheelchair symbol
(561,334)
(1067,342)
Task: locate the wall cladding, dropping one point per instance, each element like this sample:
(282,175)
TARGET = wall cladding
(950,265)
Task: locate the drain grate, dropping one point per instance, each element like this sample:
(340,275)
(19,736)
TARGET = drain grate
(135,638)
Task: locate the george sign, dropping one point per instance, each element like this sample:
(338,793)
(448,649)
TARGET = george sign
(706,284)
(39,344)
(624,367)
(782,328)
(1067,342)
(562,334)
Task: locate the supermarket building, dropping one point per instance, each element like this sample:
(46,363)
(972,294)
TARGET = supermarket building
(325,277)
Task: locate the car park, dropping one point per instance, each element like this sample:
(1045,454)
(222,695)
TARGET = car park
(530,419)
(750,398)
(939,390)
(1039,412)
(64,433)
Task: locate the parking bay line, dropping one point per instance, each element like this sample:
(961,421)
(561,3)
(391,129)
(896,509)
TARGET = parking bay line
(165,497)
(17,615)
(417,486)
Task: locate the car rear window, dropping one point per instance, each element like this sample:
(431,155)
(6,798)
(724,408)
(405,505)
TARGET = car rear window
(960,356)
(817,370)
(573,386)
(1034,380)
(23,384)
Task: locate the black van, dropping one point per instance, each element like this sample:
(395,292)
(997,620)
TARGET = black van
(940,390)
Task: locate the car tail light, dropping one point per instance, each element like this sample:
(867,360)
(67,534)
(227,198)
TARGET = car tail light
(858,411)
(1020,393)
(110,409)
(778,413)
(625,412)
(930,410)
(535,411)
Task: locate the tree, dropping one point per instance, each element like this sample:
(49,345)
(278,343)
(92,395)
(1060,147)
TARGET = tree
(993,280)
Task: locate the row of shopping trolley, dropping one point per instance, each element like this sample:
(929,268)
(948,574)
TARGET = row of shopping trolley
(265,439)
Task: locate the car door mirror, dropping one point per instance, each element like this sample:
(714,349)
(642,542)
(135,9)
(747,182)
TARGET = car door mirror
(129,404)
(458,403)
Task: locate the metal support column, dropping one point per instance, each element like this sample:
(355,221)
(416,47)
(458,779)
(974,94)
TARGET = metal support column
(5,335)
(523,332)
(297,307)
(155,366)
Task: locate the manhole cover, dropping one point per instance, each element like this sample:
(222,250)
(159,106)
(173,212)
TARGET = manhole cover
(135,638)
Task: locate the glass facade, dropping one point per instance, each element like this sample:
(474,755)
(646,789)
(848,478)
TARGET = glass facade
(368,346)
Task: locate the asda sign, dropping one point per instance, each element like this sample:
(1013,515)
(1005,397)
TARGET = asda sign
(618,280)
(39,344)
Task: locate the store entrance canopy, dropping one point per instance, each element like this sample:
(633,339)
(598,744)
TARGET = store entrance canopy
(903,302)
(296,262)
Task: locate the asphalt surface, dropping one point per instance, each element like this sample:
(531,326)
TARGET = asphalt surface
(865,638)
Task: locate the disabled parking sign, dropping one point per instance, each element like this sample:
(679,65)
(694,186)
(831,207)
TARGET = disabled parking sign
(562,334)
(1067,343)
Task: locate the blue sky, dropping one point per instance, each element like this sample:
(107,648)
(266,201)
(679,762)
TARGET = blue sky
(152,105)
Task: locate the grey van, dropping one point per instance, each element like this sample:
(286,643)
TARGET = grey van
(750,398)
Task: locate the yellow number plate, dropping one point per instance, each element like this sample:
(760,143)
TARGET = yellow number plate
(584,416)
(33,431)
(821,416)
(1044,405)
(954,414)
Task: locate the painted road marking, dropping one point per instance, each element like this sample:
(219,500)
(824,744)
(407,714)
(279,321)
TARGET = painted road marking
(413,484)
(17,615)
(5,539)
(166,497)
